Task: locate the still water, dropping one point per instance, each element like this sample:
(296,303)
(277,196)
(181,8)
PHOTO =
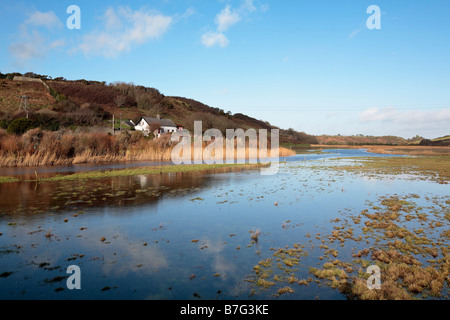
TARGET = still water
(180,235)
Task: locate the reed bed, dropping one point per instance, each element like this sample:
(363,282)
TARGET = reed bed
(37,148)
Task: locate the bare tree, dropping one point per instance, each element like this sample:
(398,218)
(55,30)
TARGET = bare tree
(120,100)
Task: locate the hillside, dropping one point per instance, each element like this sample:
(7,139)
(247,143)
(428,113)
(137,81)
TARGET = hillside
(366,140)
(438,142)
(90,105)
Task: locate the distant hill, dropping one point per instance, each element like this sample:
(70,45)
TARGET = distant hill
(83,103)
(366,140)
(439,142)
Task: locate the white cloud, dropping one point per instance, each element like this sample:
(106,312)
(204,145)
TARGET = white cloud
(26,50)
(434,120)
(224,20)
(376,114)
(112,20)
(211,39)
(249,6)
(189,12)
(48,20)
(32,41)
(124,28)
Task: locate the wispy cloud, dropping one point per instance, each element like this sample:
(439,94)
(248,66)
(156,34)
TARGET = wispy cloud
(408,120)
(49,20)
(32,40)
(188,13)
(361,28)
(211,39)
(123,29)
(227,18)
(224,20)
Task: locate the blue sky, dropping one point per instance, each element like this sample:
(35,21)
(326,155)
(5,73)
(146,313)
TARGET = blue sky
(310,65)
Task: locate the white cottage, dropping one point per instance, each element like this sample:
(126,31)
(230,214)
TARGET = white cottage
(156,126)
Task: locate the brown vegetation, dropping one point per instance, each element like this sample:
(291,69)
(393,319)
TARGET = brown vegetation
(40,147)
(365,140)
(89,106)
(415,150)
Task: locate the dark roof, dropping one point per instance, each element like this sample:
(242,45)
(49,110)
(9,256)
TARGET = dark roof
(129,123)
(162,122)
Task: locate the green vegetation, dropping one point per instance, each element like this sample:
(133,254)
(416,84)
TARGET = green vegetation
(8,179)
(21,125)
(145,171)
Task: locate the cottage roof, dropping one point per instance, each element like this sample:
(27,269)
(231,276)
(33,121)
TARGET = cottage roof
(162,122)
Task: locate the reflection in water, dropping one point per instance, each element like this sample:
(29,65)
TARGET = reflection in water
(29,173)
(180,235)
(30,197)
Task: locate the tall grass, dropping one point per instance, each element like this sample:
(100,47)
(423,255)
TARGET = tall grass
(38,147)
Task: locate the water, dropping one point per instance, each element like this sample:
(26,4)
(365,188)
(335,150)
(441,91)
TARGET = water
(48,171)
(184,235)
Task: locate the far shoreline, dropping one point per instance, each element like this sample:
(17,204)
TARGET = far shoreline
(392,149)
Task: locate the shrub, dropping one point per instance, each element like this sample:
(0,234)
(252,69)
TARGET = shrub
(87,114)
(10,144)
(66,105)
(210,121)
(87,92)
(18,114)
(47,120)
(31,139)
(136,136)
(60,97)
(21,125)
(4,123)
(53,92)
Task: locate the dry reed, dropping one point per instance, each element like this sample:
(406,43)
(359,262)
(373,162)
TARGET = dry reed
(37,148)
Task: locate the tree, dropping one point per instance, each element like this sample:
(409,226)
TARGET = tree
(120,101)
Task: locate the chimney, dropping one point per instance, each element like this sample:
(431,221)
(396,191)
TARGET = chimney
(158,117)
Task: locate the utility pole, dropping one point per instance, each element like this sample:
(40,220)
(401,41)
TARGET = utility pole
(24,103)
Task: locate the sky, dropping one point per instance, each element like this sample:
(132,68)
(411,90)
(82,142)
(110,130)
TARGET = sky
(321,67)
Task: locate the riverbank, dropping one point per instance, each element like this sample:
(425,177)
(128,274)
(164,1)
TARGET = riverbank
(400,150)
(153,170)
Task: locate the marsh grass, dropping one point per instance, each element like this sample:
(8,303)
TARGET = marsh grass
(414,262)
(410,150)
(399,150)
(436,168)
(8,179)
(147,171)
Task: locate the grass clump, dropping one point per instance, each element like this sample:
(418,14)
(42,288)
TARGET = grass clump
(144,171)
(8,179)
